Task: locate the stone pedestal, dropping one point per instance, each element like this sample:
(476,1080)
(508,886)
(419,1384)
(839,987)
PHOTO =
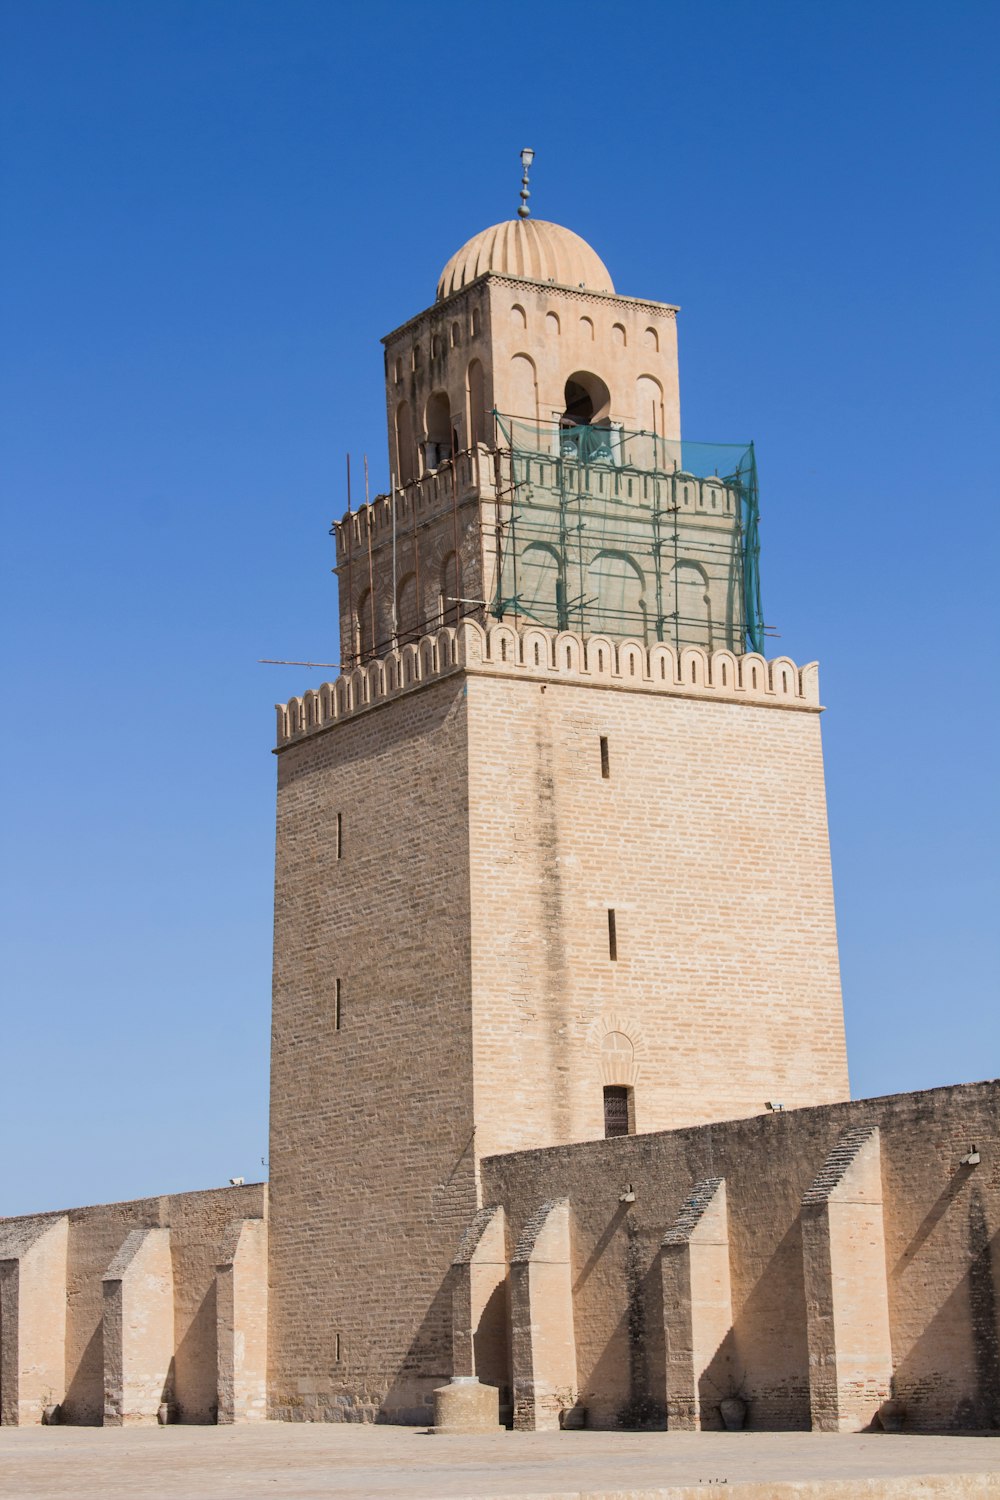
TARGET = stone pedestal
(466,1406)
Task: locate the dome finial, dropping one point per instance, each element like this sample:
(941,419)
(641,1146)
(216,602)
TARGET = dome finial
(527,157)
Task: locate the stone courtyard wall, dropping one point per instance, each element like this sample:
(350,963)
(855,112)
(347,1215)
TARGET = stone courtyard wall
(137,1282)
(863,1261)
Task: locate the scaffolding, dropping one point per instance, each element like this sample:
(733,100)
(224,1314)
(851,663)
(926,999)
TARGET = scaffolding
(606,531)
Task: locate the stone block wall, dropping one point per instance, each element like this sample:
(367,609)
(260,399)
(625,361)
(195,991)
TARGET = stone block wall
(862,1252)
(110,1311)
(372,1156)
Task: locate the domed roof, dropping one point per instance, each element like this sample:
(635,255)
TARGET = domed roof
(530,248)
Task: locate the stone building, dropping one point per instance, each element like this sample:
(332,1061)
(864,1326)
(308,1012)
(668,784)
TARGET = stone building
(559,1104)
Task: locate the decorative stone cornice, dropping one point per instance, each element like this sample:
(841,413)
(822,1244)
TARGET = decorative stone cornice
(596,661)
(580,294)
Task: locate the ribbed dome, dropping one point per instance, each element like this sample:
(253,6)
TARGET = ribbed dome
(527,247)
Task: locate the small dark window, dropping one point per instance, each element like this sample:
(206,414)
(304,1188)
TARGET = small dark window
(336,1005)
(615,1110)
(340,835)
(612,934)
(605,761)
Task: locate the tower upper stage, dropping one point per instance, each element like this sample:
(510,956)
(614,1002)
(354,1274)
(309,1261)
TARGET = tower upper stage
(537,469)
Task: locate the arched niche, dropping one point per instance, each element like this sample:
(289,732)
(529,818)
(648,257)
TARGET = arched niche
(450,608)
(617,586)
(540,585)
(523,388)
(437,419)
(407,621)
(406,457)
(649,405)
(690,604)
(476,388)
(365,643)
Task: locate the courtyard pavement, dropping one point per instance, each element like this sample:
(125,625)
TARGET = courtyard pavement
(308,1461)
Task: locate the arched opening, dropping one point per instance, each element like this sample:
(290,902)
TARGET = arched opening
(405,454)
(477,404)
(523,388)
(691,605)
(365,644)
(407,623)
(438,448)
(616,585)
(540,586)
(587,405)
(451,590)
(588,400)
(649,405)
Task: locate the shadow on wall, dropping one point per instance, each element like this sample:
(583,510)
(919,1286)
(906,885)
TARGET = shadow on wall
(764,1358)
(426,1364)
(958,1351)
(196,1363)
(83,1404)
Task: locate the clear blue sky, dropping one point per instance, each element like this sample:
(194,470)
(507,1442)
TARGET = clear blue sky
(211,212)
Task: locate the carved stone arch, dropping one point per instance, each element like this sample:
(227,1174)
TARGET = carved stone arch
(617,1046)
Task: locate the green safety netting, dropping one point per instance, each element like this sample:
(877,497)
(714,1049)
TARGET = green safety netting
(607,531)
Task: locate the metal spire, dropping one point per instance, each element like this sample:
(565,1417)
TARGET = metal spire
(527,157)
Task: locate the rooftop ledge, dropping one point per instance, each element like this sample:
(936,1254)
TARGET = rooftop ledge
(547,656)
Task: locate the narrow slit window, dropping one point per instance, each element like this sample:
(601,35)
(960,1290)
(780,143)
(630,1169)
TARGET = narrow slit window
(616,1110)
(340,835)
(612,934)
(605,759)
(336,1005)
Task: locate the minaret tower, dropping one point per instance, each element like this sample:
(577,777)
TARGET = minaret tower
(552,857)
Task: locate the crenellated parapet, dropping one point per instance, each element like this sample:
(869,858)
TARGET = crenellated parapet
(550,656)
